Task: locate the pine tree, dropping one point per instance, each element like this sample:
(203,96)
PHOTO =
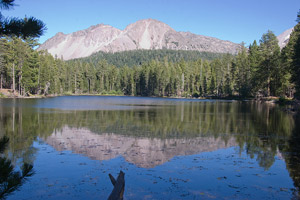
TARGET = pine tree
(294,46)
(254,62)
(212,86)
(270,64)
(30,73)
(2,61)
(243,73)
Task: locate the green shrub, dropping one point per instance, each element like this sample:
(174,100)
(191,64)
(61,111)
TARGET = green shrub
(68,93)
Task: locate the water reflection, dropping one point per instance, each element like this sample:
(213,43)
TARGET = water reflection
(143,152)
(149,133)
(291,152)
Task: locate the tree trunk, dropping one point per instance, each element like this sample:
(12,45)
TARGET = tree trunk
(182,83)
(39,87)
(1,81)
(20,88)
(201,71)
(102,84)
(268,89)
(75,84)
(119,187)
(69,84)
(13,71)
(89,85)
(55,89)
(132,89)
(268,81)
(47,85)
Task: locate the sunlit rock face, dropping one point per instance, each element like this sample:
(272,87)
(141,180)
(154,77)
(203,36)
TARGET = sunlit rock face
(143,34)
(143,152)
(284,37)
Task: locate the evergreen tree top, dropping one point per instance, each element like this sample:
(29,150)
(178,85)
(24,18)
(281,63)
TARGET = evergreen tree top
(25,28)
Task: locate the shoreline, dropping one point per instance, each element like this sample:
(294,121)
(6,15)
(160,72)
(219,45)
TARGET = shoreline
(237,98)
(288,105)
(5,94)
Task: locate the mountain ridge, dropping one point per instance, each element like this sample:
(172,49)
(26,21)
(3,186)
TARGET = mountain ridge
(143,34)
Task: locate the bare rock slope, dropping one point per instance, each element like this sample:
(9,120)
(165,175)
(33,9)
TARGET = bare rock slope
(284,37)
(143,34)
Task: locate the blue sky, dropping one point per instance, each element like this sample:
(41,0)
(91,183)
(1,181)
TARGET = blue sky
(234,20)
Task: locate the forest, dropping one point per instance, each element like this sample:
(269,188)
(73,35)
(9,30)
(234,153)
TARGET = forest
(137,57)
(260,70)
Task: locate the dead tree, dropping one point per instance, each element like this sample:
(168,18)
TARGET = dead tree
(119,187)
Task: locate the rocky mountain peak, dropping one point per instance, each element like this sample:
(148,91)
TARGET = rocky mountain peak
(148,23)
(59,34)
(143,34)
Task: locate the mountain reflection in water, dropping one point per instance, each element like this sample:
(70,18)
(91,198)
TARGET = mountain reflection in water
(143,152)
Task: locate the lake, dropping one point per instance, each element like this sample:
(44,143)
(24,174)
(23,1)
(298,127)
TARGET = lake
(167,148)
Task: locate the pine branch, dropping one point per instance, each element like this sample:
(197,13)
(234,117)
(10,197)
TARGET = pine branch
(6,4)
(25,28)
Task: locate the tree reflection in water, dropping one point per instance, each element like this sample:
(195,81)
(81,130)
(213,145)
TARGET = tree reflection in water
(261,130)
(291,153)
(11,180)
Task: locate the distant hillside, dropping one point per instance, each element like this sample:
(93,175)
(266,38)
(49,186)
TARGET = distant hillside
(138,57)
(143,34)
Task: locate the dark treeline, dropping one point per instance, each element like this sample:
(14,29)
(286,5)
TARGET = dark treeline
(260,70)
(138,57)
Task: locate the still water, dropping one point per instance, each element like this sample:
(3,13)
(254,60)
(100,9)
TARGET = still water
(167,148)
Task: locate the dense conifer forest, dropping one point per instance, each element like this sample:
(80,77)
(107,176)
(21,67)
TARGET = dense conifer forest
(138,57)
